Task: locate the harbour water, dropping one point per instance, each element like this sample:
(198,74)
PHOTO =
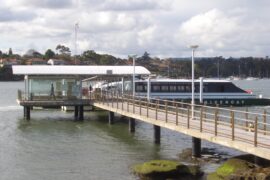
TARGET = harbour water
(53,146)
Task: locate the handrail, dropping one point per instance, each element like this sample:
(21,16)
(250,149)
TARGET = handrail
(225,122)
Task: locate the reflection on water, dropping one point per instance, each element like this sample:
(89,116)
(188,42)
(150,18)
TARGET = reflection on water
(54,146)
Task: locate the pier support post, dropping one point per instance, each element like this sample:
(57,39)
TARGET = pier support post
(131,124)
(111,117)
(196,147)
(157,134)
(81,113)
(76,112)
(26,111)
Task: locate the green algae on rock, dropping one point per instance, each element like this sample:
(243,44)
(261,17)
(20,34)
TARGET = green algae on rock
(160,169)
(231,167)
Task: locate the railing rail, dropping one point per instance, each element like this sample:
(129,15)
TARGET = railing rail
(44,95)
(244,126)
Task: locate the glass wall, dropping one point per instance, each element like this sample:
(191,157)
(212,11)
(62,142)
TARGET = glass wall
(58,88)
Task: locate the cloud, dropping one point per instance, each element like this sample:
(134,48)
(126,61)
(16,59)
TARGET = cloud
(163,28)
(7,15)
(131,5)
(52,4)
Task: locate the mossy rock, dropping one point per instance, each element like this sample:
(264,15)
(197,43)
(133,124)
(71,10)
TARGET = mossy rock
(162,169)
(233,166)
(214,176)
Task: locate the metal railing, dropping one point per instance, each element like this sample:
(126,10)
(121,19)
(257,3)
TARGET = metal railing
(237,125)
(44,96)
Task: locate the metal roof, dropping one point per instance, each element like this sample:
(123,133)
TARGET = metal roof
(187,80)
(78,70)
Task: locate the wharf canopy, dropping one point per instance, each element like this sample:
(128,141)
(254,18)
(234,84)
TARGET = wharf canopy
(67,80)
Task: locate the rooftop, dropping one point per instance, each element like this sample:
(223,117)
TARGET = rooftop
(78,70)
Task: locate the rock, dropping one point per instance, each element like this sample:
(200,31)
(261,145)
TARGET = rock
(164,169)
(233,166)
(213,176)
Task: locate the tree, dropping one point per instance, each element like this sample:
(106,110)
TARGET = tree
(10,52)
(49,54)
(146,56)
(63,49)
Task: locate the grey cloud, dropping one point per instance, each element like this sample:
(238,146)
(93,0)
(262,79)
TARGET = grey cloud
(51,4)
(120,5)
(8,15)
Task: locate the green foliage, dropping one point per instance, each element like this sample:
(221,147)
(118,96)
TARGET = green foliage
(63,49)
(10,53)
(49,54)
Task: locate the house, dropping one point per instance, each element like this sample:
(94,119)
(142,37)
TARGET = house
(56,62)
(36,61)
(9,62)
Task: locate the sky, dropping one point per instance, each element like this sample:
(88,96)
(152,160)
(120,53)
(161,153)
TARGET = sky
(163,28)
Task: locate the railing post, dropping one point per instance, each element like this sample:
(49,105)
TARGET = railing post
(176,114)
(156,109)
(166,111)
(133,104)
(232,122)
(140,102)
(188,117)
(122,102)
(264,122)
(246,115)
(256,132)
(201,119)
(216,119)
(117,101)
(147,110)
(128,104)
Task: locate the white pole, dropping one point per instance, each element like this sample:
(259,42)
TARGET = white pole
(76,31)
(201,90)
(193,47)
(192,85)
(123,85)
(148,88)
(133,79)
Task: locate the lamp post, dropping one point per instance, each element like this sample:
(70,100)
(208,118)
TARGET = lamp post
(193,48)
(133,76)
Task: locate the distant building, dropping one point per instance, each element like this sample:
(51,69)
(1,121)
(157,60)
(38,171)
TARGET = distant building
(9,62)
(36,61)
(56,62)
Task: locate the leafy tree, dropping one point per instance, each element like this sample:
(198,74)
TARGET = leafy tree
(49,54)
(63,49)
(146,56)
(10,53)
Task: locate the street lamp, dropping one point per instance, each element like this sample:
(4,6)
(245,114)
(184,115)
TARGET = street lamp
(133,77)
(193,47)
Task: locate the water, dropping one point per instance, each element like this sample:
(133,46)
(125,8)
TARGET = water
(53,146)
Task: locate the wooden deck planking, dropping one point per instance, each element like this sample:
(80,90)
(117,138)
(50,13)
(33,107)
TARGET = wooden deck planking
(243,139)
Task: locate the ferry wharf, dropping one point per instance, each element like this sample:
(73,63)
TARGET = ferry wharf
(242,130)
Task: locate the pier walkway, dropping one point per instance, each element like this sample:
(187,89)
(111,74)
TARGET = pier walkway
(242,130)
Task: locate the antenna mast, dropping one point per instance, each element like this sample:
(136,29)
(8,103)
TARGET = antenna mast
(76,31)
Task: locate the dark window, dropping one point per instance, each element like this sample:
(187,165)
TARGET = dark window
(164,88)
(173,88)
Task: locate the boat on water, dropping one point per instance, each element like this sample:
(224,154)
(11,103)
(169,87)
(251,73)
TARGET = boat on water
(207,91)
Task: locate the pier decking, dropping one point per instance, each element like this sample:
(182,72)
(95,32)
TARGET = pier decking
(218,125)
(57,86)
